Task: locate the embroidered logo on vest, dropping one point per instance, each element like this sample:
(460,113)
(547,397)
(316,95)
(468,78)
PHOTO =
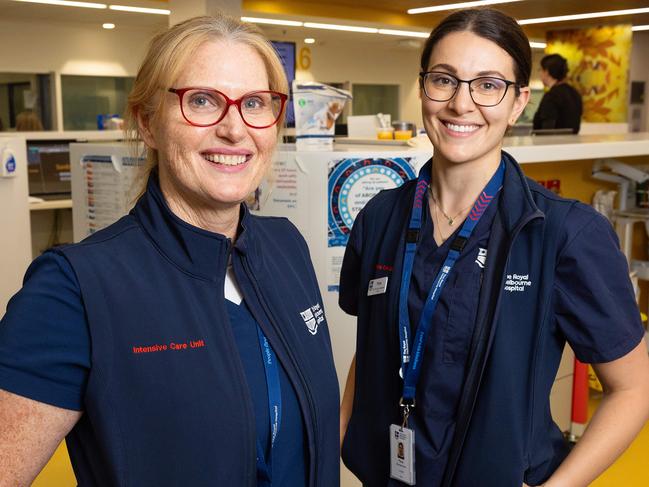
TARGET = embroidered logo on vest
(481,259)
(312,317)
(517,283)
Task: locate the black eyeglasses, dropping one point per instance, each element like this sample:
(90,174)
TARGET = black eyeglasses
(485,91)
(204,107)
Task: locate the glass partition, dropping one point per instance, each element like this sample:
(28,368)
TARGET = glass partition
(90,102)
(25,101)
(373,99)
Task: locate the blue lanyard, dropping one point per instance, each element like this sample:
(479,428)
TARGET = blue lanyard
(271,367)
(412,368)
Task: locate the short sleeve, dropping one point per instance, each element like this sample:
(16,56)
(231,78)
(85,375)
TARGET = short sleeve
(351,268)
(595,305)
(44,338)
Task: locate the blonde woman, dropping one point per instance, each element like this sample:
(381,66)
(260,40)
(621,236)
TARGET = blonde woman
(185,344)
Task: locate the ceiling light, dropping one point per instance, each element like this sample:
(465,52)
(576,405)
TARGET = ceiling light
(108,26)
(309,40)
(65,3)
(591,15)
(141,10)
(404,33)
(347,28)
(538,45)
(636,28)
(453,6)
(257,20)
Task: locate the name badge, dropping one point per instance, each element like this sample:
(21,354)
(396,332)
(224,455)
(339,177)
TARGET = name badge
(377,286)
(402,454)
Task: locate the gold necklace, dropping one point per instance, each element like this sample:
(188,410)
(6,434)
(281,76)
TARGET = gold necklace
(437,227)
(438,205)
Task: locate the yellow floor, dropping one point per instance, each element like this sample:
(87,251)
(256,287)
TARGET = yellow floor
(58,472)
(631,469)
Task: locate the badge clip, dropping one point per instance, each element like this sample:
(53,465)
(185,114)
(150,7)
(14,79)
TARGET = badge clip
(405,406)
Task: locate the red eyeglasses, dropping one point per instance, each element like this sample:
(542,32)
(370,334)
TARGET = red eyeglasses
(204,107)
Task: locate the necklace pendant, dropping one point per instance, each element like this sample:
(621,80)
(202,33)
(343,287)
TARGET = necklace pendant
(450,222)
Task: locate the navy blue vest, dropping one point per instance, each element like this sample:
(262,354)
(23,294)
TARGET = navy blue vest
(166,402)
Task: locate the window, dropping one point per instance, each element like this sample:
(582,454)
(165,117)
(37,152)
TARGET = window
(373,99)
(25,101)
(85,98)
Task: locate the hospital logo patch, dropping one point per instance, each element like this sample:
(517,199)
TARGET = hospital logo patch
(481,259)
(517,283)
(312,317)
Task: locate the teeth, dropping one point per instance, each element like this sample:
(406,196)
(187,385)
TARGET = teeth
(462,128)
(223,159)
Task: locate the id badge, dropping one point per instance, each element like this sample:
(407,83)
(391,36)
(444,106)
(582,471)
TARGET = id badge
(402,454)
(377,286)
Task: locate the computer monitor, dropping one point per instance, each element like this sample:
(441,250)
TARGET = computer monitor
(48,166)
(286,52)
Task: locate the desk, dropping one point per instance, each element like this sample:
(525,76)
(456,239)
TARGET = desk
(50,205)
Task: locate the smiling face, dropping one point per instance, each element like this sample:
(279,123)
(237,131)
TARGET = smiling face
(206,169)
(460,130)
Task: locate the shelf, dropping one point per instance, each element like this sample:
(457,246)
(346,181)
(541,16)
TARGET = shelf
(50,205)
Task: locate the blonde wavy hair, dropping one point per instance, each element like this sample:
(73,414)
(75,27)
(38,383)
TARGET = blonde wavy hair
(168,53)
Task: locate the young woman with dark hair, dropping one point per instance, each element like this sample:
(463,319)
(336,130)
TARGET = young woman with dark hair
(468,282)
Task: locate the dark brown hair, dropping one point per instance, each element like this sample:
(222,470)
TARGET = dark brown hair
(492,25)
(556,65)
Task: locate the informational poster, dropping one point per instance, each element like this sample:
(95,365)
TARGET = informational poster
(108,188)
(284,192)
(351,184)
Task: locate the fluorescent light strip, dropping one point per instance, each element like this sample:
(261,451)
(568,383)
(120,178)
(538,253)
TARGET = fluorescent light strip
(404,33)
(538,45)
(257,20)
(347,28)
(591,15)
(637,28)
(141,10)
(65,3)
(453,6)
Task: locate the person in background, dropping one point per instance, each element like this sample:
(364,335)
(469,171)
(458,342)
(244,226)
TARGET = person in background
(468,282)
(186,344)
(28,121)
(560,107)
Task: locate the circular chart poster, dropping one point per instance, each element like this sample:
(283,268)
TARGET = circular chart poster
(353,182)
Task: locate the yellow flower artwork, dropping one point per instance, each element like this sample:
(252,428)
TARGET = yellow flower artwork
(598,62)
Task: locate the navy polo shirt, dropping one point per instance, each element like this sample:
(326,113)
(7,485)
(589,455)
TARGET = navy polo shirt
(289,462)
(447,346)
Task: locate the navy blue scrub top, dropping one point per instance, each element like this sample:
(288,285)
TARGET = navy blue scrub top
(289,452)
(46,357)
(447,346)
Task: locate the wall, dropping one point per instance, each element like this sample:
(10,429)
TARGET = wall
(15,244)
(70,48)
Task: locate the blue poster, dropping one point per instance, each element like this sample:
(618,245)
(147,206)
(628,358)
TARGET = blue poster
(353,182)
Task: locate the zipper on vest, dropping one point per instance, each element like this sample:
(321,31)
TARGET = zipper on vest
(252,440)
(294,363)
(465,411)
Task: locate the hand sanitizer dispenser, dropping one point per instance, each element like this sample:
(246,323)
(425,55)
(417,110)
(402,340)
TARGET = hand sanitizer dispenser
(8,164)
